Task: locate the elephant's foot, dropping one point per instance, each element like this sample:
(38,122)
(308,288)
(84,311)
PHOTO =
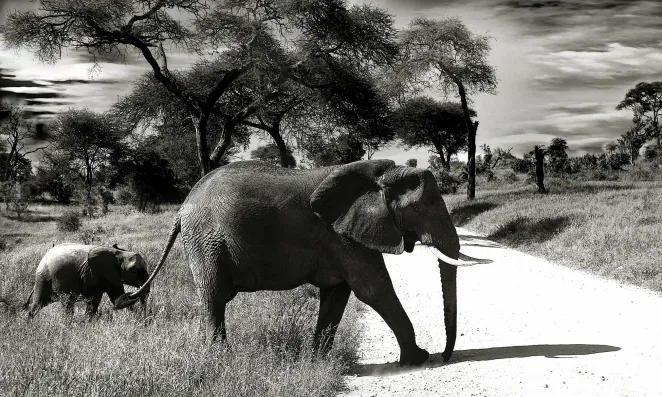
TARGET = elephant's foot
(415,356)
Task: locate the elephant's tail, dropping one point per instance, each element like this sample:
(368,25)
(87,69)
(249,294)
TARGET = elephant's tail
(129,299)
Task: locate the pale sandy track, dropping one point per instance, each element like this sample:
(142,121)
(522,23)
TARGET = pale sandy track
(527,328)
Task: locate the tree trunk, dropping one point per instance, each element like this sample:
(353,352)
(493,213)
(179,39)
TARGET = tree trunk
(224,144)
(274,131)
(540,173)
(441,152)
(200,125)
(633,155)
(471,140)
(448,160)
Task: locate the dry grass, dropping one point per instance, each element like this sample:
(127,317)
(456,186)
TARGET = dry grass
(120,354)
(609,228)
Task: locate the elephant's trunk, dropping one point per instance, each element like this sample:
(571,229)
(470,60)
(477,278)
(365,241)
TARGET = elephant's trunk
(444,242)
(449,290)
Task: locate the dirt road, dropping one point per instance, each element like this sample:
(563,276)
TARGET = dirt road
(526,327)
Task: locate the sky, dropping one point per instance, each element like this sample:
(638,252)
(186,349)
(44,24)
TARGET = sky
(562,67)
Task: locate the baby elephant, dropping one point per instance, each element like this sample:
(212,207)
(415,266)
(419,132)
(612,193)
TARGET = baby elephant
(69,272)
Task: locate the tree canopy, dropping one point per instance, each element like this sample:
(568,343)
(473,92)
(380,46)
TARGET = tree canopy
(339,150)
(306,42)
(645,100)
(424,122)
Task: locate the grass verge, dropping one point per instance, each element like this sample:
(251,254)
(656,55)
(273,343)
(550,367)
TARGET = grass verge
(120,354)
(611,229)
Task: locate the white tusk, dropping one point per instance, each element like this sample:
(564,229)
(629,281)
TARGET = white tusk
(477,260)
(450,261)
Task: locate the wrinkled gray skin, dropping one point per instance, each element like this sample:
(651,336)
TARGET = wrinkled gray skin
(71,271)
(249,226)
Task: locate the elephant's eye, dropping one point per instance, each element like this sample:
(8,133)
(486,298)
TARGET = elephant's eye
(415,208)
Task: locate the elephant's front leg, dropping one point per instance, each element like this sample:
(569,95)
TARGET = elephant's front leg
(114,292)
(371,283)
(93,305)
(333,301)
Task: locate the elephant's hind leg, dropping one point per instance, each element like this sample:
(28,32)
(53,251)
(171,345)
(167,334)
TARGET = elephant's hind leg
(68,301)
(212,279)
(333,301)
(214,296)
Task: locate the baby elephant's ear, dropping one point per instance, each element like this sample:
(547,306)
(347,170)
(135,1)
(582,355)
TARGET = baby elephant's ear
(350,200)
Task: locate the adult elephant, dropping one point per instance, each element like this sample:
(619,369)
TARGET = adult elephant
(71,271)
(249,226)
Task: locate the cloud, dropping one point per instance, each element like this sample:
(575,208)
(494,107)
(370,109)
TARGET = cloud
(615,65)
(584,132)
(584,24)
(577,108)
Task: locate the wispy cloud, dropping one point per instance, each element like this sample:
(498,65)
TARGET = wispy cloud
(616,65)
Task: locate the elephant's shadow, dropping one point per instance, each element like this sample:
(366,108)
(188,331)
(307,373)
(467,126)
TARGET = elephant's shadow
(493,353)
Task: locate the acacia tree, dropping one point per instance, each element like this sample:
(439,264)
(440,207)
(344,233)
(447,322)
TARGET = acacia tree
(445,55)
(645,100)
(425,122)
(83,141)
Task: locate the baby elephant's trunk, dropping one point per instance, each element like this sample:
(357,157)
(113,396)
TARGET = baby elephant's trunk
(129,299)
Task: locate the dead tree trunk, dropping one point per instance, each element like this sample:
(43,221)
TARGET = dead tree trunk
(540,169)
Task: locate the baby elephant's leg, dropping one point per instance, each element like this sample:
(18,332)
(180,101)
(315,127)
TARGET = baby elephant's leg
(93,305)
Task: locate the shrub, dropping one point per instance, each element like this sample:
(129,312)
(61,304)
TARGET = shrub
(521,166)
(447,183)
(69,221)
(640,174)
(125,196)
(510,176)
(651,151)
(151,180)
(602,175)
(54,182)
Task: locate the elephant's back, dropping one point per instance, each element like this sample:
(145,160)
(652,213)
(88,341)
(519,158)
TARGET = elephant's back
(62,256)
(251,200)
(255,180)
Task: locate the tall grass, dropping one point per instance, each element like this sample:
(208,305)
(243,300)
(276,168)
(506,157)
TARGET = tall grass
(270,333)
(609,228)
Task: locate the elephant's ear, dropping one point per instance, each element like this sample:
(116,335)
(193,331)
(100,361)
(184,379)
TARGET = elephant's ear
(103,265)
(350,200)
